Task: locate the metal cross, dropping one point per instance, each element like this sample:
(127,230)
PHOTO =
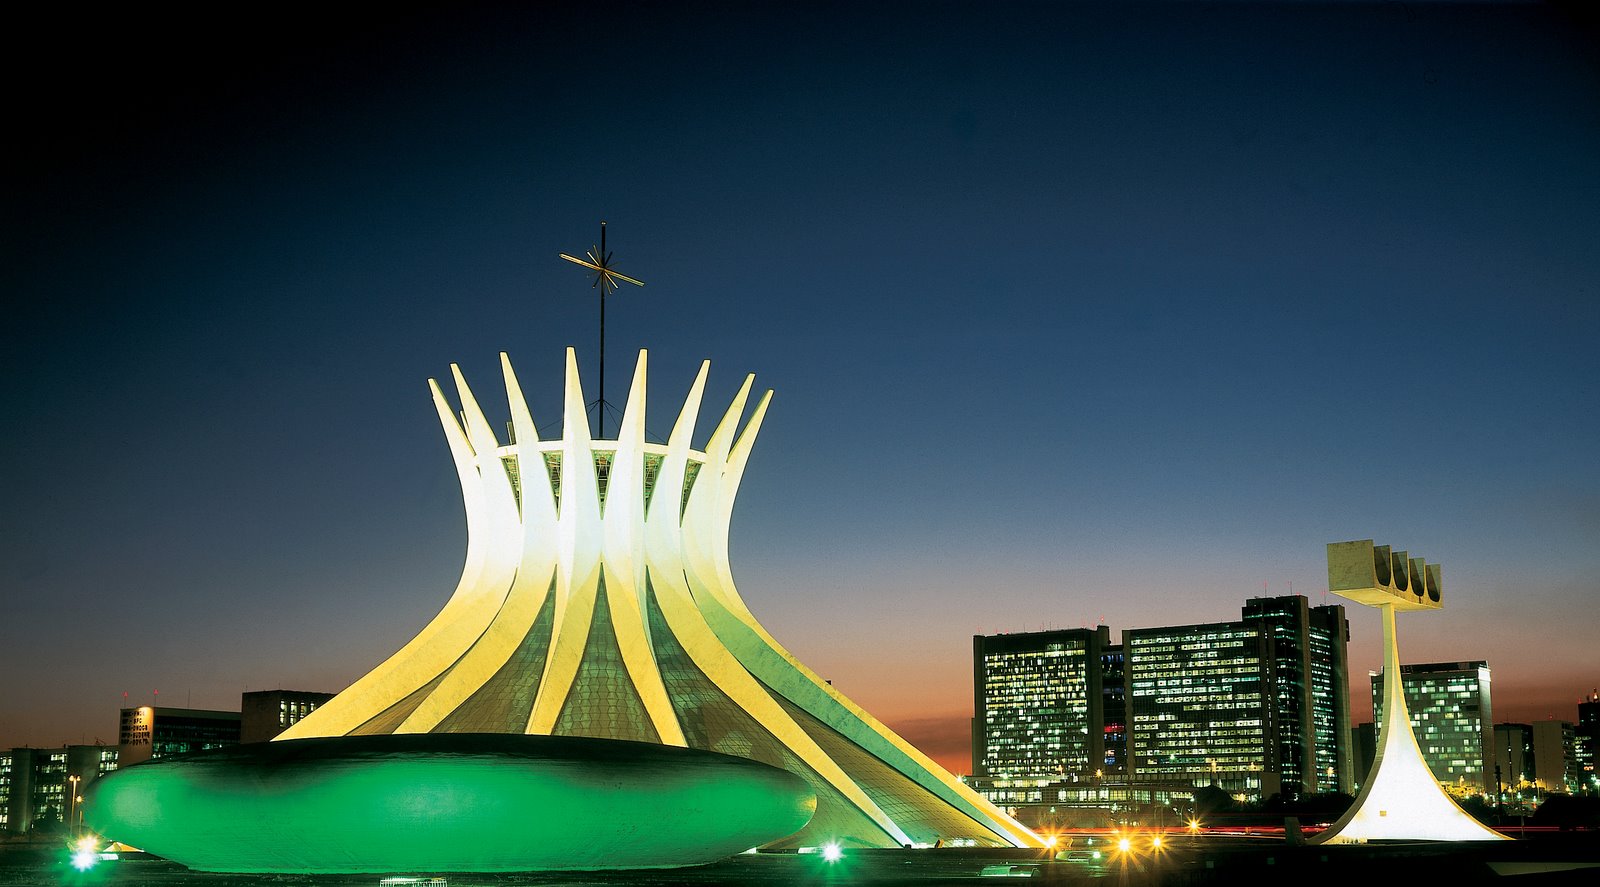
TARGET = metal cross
(605,280)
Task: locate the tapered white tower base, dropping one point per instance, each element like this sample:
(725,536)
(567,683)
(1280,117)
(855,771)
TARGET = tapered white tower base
(1401,800)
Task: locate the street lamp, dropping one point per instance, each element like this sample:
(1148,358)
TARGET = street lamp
(73,799)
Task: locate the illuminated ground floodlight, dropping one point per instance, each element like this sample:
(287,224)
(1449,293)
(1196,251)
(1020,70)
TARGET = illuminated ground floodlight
(1400,799)
(597,600)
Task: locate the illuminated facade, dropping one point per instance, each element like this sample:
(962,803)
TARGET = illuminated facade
(263,714)
(1310,691)
(1332,750)
(40,787)
(1114,710)
(1039,701)
(1200,706)
(597,600)
(1586,744)
(1259,706)
(1451,718)
(148,732)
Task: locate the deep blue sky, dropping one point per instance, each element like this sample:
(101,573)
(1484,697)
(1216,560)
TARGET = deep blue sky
(1075,314)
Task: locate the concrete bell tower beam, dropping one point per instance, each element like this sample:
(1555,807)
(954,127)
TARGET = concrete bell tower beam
(1400,799)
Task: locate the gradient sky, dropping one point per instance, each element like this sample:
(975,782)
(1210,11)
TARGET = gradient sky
(1076,314)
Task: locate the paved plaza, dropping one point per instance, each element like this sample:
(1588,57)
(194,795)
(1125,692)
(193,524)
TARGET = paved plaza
(1554,859)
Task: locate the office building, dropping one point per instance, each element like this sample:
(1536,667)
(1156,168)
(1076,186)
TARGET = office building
(1586,745)
(1311,698)
(1452,719)
(1039,702)
(1364,747)
(263,714)
(150,732)
(1555,770)
(1556,766)
(1200,706)
(1513,756)
(1114,710)
(1258,706)
(41,789)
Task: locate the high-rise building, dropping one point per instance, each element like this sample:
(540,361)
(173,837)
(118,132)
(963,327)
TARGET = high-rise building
(1452,719)
(1311,699)
(1039,699)
(150,732)
(1259,706)
(1363,750)
(1327,637)
(263,714)
(42,788)
(1586,744)
(1114,710)
(1513,755)
(1555,770)
(1200,706)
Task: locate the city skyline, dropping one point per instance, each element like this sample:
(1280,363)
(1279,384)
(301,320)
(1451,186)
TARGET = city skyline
(1075,315)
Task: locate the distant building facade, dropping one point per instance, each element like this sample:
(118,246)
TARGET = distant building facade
(41,789)
(263,714)
(1258,706)
(1114,710)
(1452,717)
(1311,696)
(1364,743)
(1555,770)
(149,732)
(1038,703)
(1200,706)
(1513,755)
(1586,744)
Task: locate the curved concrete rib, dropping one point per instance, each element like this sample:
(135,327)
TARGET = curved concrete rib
(625,564)
(778,668)
(541,539)
(450,633)
(580,539)
(503,561)
(675,563)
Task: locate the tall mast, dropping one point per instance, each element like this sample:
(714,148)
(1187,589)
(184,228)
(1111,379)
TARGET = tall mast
(605,280)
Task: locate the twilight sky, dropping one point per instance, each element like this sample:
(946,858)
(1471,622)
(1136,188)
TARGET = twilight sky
(1076,314)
